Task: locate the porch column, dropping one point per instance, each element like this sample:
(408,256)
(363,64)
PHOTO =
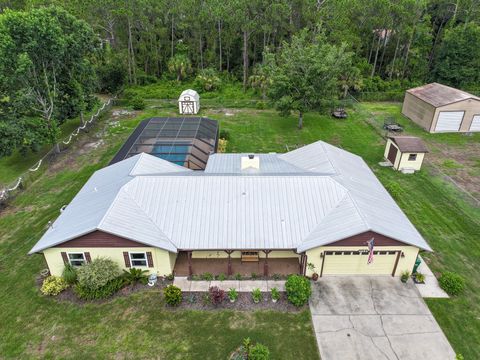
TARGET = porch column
(265,264)
(229,269)
(189,257)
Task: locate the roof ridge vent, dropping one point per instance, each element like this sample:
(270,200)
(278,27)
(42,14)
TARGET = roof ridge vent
(250,161)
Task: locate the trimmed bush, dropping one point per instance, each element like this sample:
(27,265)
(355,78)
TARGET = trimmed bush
(53,285)
(97,274)
(217,295)
(137,103)
(259,352)
(69,274)
(452,283)
(298,289)
(173,295)
(103,292)
(224,134)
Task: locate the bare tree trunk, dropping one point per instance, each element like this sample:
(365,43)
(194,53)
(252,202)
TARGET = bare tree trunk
(300,120)
(371,49)
(82,120)
(394,57)
(132,64)
(201,50)
(220,44)
(245,59)
(407,53)
(434,47)
(383,51)
(376,57)
(171,37)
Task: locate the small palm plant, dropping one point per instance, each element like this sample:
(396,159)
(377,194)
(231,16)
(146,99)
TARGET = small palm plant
(232,295)
(256,295)
(275,294)
(134,276)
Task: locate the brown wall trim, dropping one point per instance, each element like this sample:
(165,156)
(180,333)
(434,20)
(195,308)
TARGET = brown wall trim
(100,239)
(361,240)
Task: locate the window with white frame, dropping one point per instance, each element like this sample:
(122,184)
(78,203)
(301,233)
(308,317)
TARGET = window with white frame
(138,259)
(412,157)
(76,259)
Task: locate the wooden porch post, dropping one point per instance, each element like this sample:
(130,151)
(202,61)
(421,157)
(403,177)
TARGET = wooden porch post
(302,259)
(265,264)
(229,269)
(189,257)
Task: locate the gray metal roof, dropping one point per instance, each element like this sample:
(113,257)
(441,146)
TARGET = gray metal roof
(439,95)
(312,196)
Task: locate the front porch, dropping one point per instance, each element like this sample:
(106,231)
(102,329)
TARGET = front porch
(185,266)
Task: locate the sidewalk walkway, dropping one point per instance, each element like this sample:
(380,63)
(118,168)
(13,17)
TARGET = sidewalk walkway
(431,288)
(240,285)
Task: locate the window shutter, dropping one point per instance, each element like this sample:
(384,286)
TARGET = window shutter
(127,259)
(65,258)
(87,257)
(149,259)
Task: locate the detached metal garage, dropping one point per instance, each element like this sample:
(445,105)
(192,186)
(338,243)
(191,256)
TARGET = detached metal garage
(440,108)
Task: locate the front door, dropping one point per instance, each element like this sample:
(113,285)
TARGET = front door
(392,154)
(187,107)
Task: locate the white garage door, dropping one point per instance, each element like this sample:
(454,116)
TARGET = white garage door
(355,263)
(475,123)
(449,121)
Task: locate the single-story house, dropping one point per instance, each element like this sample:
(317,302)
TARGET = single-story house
(406,153)
(318,204)
(440,108)
(189,102)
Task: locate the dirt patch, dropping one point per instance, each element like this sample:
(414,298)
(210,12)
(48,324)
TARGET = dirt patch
(462,164)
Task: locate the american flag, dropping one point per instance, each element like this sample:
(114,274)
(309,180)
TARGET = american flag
(370,244)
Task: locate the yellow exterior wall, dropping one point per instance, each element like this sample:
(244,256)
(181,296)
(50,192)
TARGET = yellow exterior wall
(405,263)
(401,161)
(471,108)
(237,254)
(163,261)
(404,163)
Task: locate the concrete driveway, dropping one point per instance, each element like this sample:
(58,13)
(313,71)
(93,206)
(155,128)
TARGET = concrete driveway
(374,318)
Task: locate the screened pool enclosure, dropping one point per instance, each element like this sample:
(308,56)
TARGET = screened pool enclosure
(185,141)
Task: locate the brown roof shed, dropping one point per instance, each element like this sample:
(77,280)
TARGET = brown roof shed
(409,144)
(439,95)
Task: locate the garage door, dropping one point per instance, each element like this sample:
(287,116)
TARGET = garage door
(449,121)
(355,263)
(475,123)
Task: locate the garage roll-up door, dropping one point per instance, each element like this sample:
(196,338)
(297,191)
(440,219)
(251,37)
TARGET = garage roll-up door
(475,123)
(449,121)
(355,263)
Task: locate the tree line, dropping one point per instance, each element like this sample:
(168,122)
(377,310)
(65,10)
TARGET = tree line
(337,46)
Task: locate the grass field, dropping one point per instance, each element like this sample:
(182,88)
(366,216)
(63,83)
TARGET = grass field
(138,326)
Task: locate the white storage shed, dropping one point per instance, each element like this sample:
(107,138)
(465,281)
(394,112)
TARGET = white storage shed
(189,102)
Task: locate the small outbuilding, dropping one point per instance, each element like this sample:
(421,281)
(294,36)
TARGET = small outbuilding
(440,108)
(189,102)
(406,153)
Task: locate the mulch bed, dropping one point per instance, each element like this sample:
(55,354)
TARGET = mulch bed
(197,301)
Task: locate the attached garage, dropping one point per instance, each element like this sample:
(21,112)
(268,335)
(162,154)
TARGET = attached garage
(356,262)
(439,108)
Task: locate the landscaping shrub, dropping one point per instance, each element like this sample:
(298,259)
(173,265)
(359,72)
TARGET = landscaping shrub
(256,295)
(452,283)
(53,285)
(238,276)
(137,103)
(69,274)
(217,295)
(221,277)
(224,134)
(254,276)
(98,273)
(405,276)
(134,276)
(259,352)
(298,289)
(233,294)
(207,276)
(103,292)
(173,295)
(275,294)
(208,80)
(170,277)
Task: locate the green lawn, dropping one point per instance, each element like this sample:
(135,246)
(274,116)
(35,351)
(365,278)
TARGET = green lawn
(138,326)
